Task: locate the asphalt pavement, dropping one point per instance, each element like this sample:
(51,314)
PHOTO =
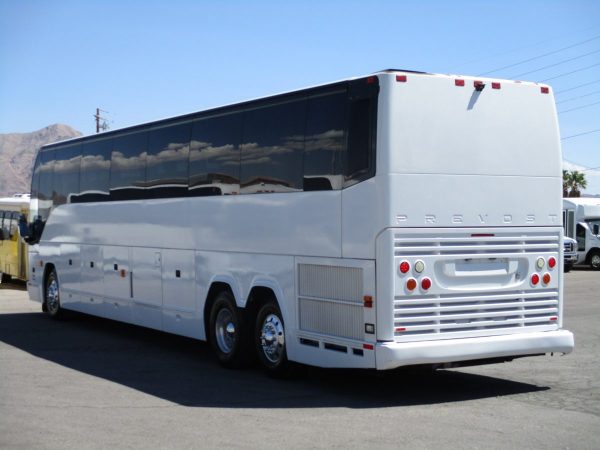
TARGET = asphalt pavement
(87,382)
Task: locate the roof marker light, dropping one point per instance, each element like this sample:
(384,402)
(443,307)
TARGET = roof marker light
(459,82)
(478,85)
(401,78)
(371,80)
(545,90)
(495,85)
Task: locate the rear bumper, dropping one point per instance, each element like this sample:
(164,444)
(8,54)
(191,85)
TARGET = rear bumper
(389,355)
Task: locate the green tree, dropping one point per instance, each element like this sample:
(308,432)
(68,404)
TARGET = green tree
(573,182)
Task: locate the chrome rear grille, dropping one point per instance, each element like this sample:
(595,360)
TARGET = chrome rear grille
(445,316)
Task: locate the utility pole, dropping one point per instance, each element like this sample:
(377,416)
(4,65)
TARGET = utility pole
(101,123)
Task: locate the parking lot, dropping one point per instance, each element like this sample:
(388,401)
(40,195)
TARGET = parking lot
(92,383)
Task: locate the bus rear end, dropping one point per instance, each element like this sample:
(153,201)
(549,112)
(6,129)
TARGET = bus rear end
(469,237)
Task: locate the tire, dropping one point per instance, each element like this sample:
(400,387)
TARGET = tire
(229,335)
(52,296)
(595,260)
(567,268)
(269,334)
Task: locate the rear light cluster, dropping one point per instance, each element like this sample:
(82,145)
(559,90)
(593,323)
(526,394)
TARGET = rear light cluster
(413,282)
(540,265)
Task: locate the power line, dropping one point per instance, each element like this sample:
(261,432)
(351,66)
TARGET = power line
(577,98)
(569,73)
(579,107)
(553,65)
(576,87)
(580,134)
(541,56)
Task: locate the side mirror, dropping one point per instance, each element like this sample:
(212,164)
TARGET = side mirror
(596,229)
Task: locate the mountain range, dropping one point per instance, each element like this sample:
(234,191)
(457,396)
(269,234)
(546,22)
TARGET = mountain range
(18,151)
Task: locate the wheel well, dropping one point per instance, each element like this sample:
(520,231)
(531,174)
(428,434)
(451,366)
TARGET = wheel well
(259,295)
(592,252)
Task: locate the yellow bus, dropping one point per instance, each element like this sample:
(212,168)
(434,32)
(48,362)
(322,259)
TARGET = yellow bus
(13,251)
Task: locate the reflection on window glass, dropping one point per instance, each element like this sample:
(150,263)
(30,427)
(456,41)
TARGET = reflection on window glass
(273,148)
(215,156)
(128,167)
(325,127)
(46,174)
(167,161)
(66,174)
(95,171)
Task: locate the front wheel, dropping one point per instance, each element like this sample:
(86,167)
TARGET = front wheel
(595,260)
(270,340)
(52,296)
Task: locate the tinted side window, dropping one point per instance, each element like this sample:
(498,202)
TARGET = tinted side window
(128,167)
(95,171)
(45,191)
(362,121)
(66,174)
(167,161)
(35,177)
(272,149)
(325,141)
(215,155)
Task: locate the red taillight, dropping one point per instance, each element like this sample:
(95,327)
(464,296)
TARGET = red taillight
(495,85)
(546,278)
(411,284)
(535,279)
(425,283)
(401,78)
(552,262)
(368,346)
(459,82)
(545,90)
(404,267)
(553,318)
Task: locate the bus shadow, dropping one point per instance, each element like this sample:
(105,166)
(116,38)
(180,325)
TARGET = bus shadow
(183,371)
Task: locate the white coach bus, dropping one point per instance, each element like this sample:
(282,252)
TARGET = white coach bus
(398,219)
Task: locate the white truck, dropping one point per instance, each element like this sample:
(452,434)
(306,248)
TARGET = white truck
(581,220)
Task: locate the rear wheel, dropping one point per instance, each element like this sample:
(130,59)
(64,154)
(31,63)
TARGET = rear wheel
(595,260)
(228,332)
(270,340)
(52,296)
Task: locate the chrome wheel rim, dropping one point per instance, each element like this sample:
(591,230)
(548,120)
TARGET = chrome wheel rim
(52,296)
(225,331)
(272,338)
(596,261)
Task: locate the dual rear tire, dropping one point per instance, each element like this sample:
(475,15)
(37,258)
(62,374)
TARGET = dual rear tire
(236,338)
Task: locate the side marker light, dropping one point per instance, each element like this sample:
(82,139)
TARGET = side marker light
(401,78)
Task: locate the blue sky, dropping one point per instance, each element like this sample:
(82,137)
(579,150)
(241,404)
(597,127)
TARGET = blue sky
(145,60)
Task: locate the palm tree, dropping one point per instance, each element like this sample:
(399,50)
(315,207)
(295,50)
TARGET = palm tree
(577,182)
